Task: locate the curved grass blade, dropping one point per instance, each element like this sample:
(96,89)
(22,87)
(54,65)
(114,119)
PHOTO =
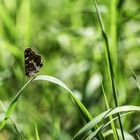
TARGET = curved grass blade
(54,80)
(82,108)
(102,116)
(127,136)
(13,123)
(12,105)
(87,116)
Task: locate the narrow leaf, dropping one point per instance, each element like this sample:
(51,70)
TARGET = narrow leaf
(102,116)
(78,103)
(12,105)
(36,132)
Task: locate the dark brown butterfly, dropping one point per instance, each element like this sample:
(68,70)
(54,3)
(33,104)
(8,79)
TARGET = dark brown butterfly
(33,62)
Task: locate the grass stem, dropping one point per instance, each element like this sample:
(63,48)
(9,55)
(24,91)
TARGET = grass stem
(111,73)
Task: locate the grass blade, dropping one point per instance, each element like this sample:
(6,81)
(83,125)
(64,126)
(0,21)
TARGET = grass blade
(54,80)
(102,116)
(83,110)
(93,134)
(36,132)
(13,123)
(110,117)
(12,105)
(87,116)
(110,66)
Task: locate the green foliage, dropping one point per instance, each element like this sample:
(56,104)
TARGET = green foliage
(67,35)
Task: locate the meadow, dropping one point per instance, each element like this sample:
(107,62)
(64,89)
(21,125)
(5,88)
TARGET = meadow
(81,81)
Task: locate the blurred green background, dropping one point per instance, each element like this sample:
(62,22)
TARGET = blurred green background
(66,33)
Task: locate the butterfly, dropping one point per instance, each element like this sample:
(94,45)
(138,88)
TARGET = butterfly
(33,62)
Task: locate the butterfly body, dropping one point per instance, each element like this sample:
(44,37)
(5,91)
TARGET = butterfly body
(33,62)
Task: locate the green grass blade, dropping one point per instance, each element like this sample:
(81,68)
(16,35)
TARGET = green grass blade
(54,80)
(85,113)
(102,116)
(12,105)
(13,123)
(93,134)
(110,117)
(88,126)
(113,33)
(81,107)
(105,97)
(110,66)
(36,132)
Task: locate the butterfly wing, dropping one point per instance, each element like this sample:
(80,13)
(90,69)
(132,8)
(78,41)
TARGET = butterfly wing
(33,62)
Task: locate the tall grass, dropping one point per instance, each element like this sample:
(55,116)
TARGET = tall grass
(92,123)
(109,61)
